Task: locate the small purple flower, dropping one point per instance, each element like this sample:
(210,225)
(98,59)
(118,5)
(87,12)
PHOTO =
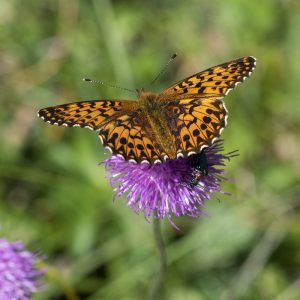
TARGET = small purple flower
(18,274)
(176,187)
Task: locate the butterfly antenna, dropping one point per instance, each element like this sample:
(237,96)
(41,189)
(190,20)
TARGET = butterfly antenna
(107,84)
(165,67)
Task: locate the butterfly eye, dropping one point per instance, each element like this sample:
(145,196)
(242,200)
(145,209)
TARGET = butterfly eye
(176,110)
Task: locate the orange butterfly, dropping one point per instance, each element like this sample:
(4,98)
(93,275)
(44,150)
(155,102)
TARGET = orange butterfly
(179,122)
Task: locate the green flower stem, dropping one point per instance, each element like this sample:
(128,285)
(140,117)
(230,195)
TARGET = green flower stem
(156,288)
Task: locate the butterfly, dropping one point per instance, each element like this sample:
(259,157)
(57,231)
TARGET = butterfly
(180,121)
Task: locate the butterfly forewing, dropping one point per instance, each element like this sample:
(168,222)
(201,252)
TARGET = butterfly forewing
(215,81)
(90,114)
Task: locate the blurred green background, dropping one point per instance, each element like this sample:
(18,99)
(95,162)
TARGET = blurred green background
(54,195)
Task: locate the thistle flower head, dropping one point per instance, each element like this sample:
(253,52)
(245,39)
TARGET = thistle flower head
(176,187)
(18,275)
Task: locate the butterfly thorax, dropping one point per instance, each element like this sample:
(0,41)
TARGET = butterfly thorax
(152,107)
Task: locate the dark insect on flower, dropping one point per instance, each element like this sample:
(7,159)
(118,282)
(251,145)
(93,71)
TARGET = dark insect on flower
(199,167)
(176,187)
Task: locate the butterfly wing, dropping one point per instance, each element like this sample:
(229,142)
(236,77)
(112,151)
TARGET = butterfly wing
(195,123)
(195,112)
(86,114)
(216,81)
(123,128)
(132,137)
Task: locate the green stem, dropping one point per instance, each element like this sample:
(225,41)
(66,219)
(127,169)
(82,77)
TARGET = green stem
(158,282)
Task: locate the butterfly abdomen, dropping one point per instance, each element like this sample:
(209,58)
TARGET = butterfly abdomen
(154,111)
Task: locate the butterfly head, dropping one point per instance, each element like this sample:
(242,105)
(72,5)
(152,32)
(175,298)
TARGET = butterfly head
(147,99)
(142,94)
(140,91)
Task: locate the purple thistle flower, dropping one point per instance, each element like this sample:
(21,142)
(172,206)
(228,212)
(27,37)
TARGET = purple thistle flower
(176,187)
(18,275)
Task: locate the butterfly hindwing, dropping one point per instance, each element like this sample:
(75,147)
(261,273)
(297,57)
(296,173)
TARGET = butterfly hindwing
(131,137)
(216,81)
(196,123)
